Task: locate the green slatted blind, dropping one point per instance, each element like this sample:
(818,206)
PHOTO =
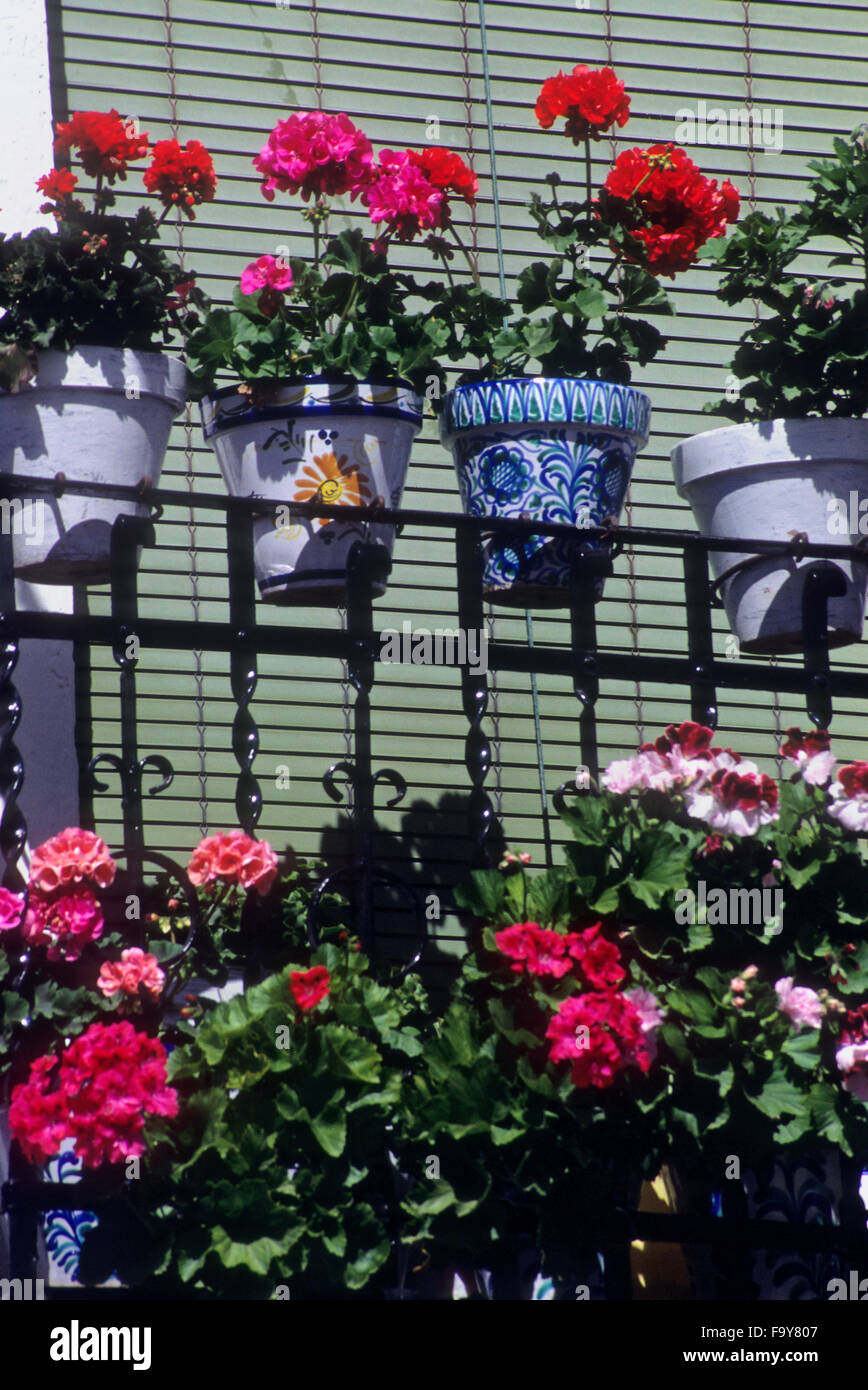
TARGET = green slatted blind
(226,71)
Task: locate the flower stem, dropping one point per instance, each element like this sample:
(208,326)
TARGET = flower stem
(467,256)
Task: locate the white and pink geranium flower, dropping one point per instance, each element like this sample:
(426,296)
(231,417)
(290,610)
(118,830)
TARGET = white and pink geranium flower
(736,799)
(800,1004)
(852,1060)
(680,756)
(850,797)
(811,754)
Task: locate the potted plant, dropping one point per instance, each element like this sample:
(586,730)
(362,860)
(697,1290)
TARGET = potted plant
(275,1179)
(744,901)
(86,393)
(331,357)
(77,951)
(537,1095)
(796,462)
(559,446)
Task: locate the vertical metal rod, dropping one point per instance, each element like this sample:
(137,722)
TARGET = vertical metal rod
(540,760)
(242,664)
(492,157)
(474,694)
(13,827)
(583,628)
(365,564)
(128,533)
(700,642)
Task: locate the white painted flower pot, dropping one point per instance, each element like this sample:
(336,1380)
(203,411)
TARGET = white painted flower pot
(767,481)
(98,415)
(342,443)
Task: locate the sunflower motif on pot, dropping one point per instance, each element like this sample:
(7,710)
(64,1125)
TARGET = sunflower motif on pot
(334,481)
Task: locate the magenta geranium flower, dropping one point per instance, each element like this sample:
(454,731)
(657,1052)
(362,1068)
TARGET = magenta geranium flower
(317,154)
(267,271)
(402,196)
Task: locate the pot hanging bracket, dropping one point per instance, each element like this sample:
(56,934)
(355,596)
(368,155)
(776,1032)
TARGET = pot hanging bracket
(822,582)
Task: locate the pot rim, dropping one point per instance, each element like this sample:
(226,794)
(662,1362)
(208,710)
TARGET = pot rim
(450,428)
(782,445)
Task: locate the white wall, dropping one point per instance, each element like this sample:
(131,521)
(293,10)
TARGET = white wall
(44,675)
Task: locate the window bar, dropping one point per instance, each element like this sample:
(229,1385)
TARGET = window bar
(822,582)
(365,565)
(242,664)
(128,533)
(700,648)
(13,826)
(474,695)
(586,567)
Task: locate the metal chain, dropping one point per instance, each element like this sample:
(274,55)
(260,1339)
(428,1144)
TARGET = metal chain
(192,539)
(317,64)
(632,603)
(752,199)
(468,128)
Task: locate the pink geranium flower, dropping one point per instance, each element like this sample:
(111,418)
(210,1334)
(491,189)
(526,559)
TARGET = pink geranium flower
(71,857)
(234,858)
(317,154)
(97,1094)
(267,271)
(650,1017)
(680,757)
(401,195)
(11,910)
(136,969)
(800,1004)
(65,922)
(811,754)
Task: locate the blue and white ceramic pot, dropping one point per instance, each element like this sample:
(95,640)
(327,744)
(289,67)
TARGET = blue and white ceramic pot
(342,443)
(555,449)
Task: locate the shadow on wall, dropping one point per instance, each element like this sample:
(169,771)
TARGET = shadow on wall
(431,853)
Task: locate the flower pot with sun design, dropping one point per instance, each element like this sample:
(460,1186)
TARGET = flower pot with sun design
(342,443)
(555,449)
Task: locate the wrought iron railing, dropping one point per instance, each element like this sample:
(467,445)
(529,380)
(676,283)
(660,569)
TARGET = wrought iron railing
(594,551)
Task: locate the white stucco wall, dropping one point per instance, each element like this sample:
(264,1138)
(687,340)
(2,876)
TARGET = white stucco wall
(44,675)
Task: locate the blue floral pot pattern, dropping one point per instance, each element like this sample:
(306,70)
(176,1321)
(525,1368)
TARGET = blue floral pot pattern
(560,450)
(65,1230)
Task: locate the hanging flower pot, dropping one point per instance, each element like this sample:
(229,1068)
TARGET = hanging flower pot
(97,415)
(551,449)
(342,443)
(773,480)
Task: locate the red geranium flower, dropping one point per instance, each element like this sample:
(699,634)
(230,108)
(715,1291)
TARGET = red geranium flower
(105,143)
(536,949)
(597,960)
(447,171)
(181,176)
(668,206)
(57,186)
(601,1034)
(106,1082)
(592,99)
(310,986)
